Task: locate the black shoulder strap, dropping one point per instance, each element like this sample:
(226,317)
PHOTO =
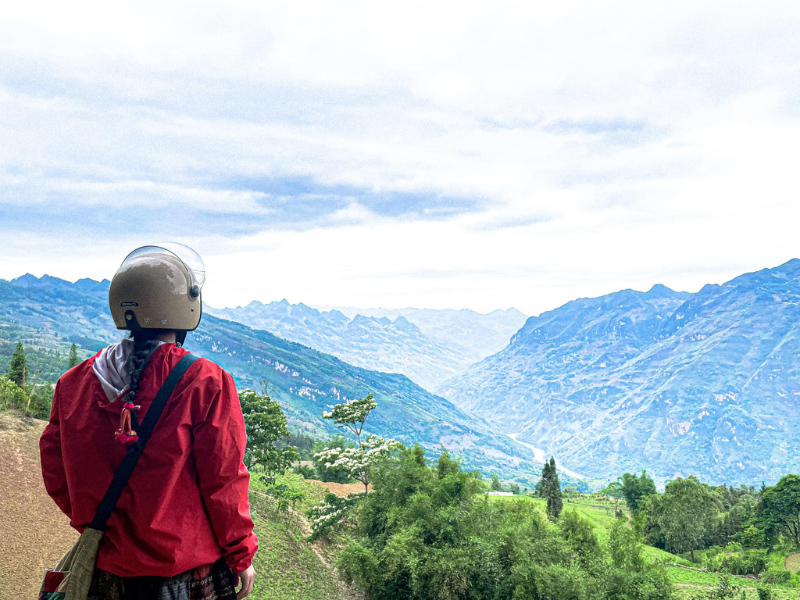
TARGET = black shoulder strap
(135,450)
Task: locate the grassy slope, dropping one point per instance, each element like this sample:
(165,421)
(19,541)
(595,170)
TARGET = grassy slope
(287,567)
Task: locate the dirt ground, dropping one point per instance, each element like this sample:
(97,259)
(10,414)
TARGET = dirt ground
(340,489)
(34,533)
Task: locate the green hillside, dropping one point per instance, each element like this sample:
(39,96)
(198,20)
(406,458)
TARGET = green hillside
(689,582)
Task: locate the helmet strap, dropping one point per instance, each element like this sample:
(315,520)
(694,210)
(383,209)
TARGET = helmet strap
(180,337)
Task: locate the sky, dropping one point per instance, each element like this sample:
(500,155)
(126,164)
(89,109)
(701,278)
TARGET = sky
(440,155)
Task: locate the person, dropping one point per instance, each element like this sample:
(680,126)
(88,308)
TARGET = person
(182,526)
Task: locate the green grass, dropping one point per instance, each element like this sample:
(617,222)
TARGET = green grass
(286,566)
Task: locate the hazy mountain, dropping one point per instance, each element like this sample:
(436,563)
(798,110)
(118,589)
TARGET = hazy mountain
(429,346)
(473,335)
(707,384)
(47,313)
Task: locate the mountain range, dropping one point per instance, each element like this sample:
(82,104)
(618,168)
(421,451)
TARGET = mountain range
(48,314)
(429,346)
(705,384)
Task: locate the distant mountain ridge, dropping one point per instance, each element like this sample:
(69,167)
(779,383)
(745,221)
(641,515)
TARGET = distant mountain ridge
(47,313)
(428,346)
(705,383)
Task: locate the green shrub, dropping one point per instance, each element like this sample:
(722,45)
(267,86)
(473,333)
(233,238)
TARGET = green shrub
(776,575)
(753,537)
(307,471)
(765,592)
(12,397)
(743,562)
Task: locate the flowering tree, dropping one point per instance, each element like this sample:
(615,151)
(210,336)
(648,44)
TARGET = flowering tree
(358,461)
(352,414)
(332,512)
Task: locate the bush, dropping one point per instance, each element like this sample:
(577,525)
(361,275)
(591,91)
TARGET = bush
(776,575)
(724,590)
(652,584)
(307,471)
(41,402)
(12,397)
(765,592)
(747,562)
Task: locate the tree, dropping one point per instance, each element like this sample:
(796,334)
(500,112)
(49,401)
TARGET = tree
(426,533)
(614,491)
(266,425)
(18,369)
(636,489)
(753,537)
(781,513)
(496,485)
(73,356)
(630,575)
(361,460)
(687,511)
(352,414)
(551,489)
(337,474)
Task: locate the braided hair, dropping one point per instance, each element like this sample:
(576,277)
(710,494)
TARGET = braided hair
(144,344)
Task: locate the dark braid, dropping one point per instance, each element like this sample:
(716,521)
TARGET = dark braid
(144,344)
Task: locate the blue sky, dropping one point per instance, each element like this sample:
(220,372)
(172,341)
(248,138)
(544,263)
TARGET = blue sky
(436,155)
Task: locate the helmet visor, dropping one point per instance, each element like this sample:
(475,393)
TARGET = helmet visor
(191,259)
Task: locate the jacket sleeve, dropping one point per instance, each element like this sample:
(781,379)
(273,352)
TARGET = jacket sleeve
(53,473)
(219,446)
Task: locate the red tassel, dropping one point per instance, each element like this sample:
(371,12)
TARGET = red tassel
(125,434)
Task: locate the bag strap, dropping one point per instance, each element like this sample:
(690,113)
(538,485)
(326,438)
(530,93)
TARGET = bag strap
(125,469)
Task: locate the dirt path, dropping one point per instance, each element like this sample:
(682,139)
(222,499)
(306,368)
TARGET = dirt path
(340,489)
(34,532)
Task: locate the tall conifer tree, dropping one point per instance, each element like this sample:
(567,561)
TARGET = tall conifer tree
(18,369)
(553,490)
(73,356)
(544,482)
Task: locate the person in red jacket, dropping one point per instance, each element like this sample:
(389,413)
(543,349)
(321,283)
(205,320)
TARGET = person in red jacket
(182,527)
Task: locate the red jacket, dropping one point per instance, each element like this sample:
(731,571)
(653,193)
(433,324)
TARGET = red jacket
(186,504)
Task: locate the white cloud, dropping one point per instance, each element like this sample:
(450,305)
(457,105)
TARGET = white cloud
(585,148)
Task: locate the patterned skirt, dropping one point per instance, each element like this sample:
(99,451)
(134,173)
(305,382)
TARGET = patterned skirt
(211,582)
